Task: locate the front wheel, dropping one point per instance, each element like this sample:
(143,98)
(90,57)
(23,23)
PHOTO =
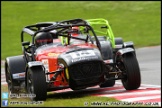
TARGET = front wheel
(36,83)
(131,72)
(9,80)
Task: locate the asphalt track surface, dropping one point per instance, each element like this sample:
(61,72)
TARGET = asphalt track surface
(149,59)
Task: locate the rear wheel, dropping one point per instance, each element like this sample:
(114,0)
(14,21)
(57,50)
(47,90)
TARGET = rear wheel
(118,42)
(36,83)
(129,65)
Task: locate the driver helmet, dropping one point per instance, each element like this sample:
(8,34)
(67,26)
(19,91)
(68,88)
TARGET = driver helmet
(43,38)
(75,30)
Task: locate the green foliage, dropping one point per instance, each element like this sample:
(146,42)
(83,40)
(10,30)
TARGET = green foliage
(137,21)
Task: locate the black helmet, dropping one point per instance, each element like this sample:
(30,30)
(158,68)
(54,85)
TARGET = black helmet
(43,38)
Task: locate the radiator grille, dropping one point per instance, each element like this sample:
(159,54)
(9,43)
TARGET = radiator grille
(85,70)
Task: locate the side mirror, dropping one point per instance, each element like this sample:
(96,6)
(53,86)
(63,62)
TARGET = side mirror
(25,43)
(104,27)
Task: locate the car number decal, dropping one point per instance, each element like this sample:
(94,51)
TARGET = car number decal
(84,53)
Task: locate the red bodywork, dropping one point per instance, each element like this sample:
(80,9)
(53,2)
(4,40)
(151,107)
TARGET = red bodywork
(49,57)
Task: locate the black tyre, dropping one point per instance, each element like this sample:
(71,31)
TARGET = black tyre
(118,43)
(109,83)
(106,50)
(10,83)
(130,67)
(36,83)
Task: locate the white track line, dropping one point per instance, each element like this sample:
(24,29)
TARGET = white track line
(140,98)
(132,93)
(145,85)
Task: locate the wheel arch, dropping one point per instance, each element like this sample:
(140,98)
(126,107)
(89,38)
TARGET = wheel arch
(31,65)
(16,64)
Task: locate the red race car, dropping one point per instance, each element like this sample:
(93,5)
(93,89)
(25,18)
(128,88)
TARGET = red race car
(69,54)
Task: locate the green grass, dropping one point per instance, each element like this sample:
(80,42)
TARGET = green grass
(137,21)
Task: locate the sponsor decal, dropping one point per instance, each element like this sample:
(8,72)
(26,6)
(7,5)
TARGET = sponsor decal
(84,58)
(46,64)
(85,53)
(18,75)
(53,54)
(44,40)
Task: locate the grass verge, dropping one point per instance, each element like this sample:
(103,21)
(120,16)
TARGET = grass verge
(137,21)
